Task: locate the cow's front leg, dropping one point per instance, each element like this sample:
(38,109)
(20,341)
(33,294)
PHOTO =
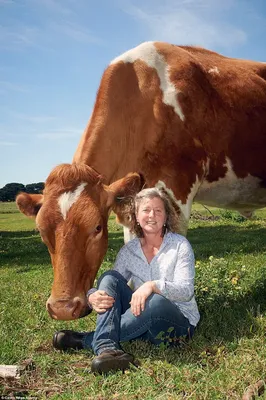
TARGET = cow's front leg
(128,235)
(182,207)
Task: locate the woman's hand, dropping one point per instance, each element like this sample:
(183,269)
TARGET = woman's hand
(100,301)
(139,297)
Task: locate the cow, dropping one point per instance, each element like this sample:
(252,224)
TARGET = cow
(185,116)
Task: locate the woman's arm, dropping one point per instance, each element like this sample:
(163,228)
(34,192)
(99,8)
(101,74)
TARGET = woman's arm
(181,288)
(140,296)
(100,301)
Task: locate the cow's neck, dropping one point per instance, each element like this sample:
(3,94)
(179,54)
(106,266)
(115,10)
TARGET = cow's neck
(109,154)
(121,127)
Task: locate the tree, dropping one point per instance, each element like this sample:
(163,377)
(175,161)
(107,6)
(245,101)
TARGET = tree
(10,190)
(34,187)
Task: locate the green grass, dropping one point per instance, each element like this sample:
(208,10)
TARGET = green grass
(227,354)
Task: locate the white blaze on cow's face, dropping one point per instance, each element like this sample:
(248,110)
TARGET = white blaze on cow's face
(72,219)
(67,199)
(74,227)
(148,53)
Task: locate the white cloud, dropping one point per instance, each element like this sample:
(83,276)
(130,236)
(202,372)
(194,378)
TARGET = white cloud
(75,32)
(58,134)
(3,143)
(58,18)
(17,38)
(55,6)
(4,2)
(192,22)
(9,86)
(36,119)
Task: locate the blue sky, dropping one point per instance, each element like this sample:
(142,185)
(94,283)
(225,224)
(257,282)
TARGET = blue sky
(53,53)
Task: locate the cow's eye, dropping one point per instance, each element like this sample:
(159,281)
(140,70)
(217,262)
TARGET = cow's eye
(98,229)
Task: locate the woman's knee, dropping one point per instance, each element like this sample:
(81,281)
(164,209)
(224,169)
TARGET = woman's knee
(109,277)
(156,303)
(161,307)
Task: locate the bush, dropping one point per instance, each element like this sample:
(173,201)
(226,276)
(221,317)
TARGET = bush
(232,215)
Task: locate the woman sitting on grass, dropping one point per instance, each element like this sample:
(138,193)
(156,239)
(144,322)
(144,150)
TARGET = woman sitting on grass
(161,307)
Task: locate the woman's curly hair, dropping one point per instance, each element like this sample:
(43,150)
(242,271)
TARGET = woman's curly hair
(173,213)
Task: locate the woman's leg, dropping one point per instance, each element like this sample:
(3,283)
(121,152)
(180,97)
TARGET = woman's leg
(160,322)
(105,340)
(107,332)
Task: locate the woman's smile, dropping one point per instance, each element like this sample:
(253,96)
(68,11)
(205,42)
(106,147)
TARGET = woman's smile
(151,215)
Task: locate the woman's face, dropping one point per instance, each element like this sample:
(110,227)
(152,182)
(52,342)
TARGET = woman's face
(151,215)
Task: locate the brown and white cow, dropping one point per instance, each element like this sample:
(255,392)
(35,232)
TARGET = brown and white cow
(186,116)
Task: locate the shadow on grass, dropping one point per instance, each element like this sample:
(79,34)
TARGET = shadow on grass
(23,248)
(216,240)
(230,239)
(224,317)
(27,247)
(224,321)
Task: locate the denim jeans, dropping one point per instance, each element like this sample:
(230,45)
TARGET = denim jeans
(160,322)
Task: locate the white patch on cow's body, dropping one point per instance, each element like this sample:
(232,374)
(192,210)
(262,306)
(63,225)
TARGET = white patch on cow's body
(214,70)
(241,194)
(147,53)
(185,208)
(128,235)
(67,199)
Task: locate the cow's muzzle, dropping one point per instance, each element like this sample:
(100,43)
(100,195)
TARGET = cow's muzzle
(67,310)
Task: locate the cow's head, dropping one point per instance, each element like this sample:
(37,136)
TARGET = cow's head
(72,216)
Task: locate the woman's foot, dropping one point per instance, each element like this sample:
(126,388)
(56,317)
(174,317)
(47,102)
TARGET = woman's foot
(111,360)
(65,340)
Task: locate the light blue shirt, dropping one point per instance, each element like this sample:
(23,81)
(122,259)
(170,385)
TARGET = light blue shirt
(172,269)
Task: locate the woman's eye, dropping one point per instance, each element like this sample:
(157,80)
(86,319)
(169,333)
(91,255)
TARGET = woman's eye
(98,229)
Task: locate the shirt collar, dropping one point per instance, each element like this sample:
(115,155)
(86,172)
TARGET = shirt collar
(135,243)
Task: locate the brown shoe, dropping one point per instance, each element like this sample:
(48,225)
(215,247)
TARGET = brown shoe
(111,360)
(66,340)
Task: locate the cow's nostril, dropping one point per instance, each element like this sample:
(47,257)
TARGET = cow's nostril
(66,310)
(77,308)
(50,310)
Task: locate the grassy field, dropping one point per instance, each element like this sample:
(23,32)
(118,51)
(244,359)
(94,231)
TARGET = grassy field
(227,354)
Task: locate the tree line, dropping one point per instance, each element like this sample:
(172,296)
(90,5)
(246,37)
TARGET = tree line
(10,190)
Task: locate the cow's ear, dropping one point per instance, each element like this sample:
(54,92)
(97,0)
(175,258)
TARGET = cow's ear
(124,189)
(29,204)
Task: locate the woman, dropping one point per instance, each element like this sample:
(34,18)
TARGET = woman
(160,307)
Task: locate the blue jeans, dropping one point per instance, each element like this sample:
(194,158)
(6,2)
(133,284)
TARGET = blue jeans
(160,322)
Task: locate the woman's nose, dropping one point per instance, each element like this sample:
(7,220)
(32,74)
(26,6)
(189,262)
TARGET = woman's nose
(152,213)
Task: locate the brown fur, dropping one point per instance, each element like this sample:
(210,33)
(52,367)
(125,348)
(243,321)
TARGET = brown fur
(131,129)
